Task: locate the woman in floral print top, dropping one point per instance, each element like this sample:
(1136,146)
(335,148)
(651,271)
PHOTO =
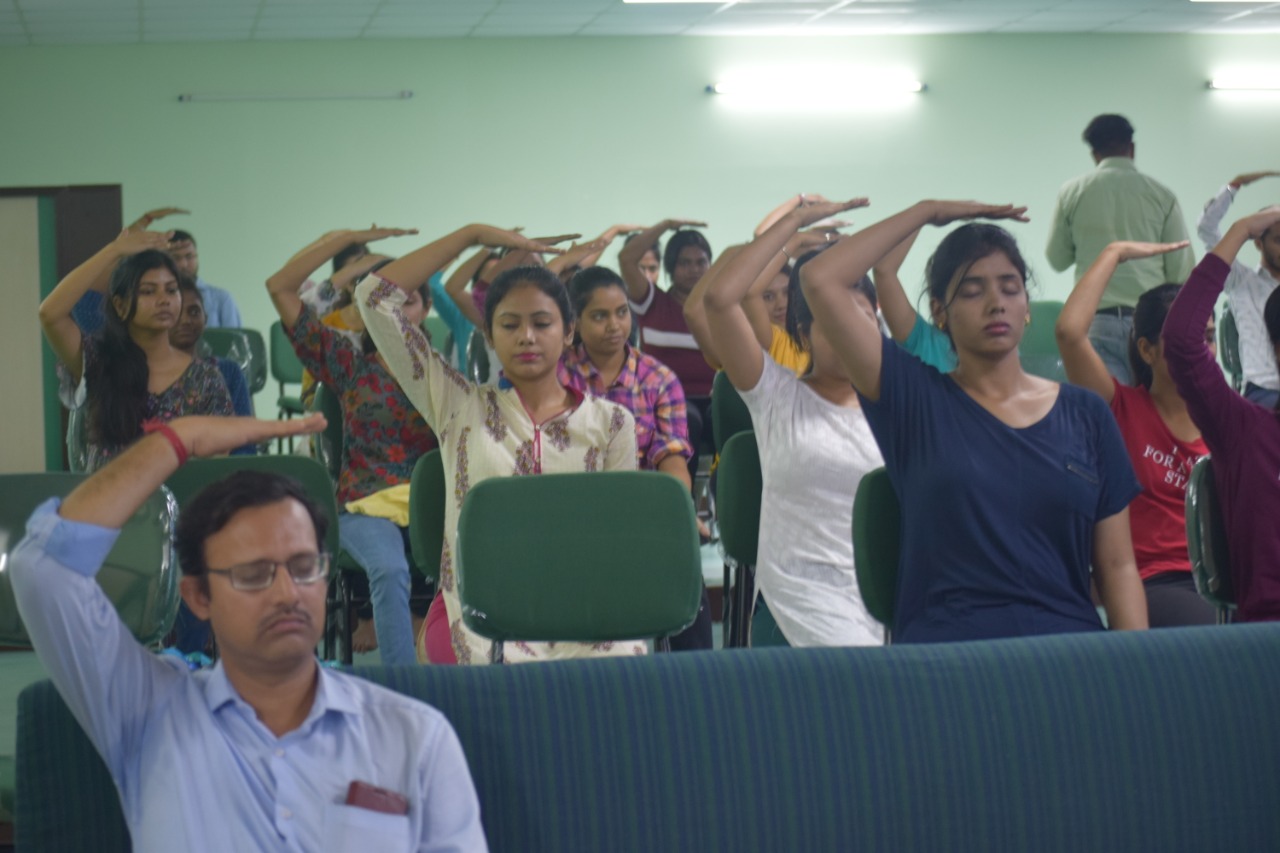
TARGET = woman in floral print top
(527,423)
(383,437)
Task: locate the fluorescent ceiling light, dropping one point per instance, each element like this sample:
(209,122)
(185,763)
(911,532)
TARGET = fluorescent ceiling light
(704,2)
(1257,81)
(836,86)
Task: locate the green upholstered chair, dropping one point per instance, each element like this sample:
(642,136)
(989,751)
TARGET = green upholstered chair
(438,332)
(328,444)
(1207,541)
(286,369)
(426,514)
(729,414)
(140,575)
(1229,348)
(1039,348)
(877,531)
(243,346)
(739,485)
(591,558)
(191,478)
(478,358)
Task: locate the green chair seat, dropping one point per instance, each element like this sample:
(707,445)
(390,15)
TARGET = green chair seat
(877,526)
(139,575)
(577,558)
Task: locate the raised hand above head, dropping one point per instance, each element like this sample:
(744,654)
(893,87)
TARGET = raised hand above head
(1249,177)
(373,232)
(814,211)
(152,215)
(132,242)
(1255,225)
(1129,250)
(945,212)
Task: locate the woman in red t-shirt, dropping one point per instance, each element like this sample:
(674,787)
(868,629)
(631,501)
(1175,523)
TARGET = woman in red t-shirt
(1162,440)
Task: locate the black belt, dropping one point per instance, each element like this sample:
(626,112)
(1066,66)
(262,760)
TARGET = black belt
(1121,311)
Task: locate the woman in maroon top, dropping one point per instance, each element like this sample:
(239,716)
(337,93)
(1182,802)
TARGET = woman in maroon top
(1243,437)
(383,434)
(1162,440)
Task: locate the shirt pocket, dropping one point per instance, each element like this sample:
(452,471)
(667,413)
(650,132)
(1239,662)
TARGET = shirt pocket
(351,829)
(1083,485)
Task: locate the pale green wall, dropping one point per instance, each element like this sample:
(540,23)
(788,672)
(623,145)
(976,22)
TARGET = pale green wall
(559,134)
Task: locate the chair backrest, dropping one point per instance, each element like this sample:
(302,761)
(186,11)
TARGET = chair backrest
(140,574)
(246,348)
(1207,538)
(877,530)
(1229,347)
(1039,349)
(438,331)
(592,557)
(190,479)
(739,484)
(426,514)
(285,366)
(329,443)
(478,358)
(729,414)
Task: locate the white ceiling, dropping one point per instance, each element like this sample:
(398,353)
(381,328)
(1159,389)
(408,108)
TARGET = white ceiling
(34,22)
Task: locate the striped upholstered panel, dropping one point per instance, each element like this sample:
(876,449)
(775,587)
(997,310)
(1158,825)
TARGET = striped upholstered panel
(1163,741)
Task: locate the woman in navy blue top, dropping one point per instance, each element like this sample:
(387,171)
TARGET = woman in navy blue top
(1011,485)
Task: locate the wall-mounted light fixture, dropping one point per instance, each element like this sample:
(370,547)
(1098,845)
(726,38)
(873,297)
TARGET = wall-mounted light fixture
(1246,81)
(403,94)
(817,87)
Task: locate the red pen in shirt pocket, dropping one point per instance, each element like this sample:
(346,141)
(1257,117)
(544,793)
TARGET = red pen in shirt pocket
(375,799)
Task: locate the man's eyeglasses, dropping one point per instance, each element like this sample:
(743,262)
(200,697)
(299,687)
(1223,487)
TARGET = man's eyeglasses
(260,574)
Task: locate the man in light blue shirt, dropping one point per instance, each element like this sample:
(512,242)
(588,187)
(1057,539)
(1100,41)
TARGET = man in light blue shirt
(258,752)
(1117,202)
(219,307)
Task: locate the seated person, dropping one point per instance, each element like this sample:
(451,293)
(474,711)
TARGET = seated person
(186,337)
(218,304)
(1243,437)
(1247,291)
(258,752)
(383,438)
(128,373)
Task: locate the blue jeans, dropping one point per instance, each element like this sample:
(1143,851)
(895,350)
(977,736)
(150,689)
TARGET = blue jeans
(1264,398)
(378,545)
(1109,335)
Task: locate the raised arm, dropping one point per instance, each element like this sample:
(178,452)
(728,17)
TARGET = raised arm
(144,221)
(695,309)
(456,286)
(1209,226)
(94,274)
(1084,366)
(284,285)
(411,271)
(631,254)
(899,313)
(736,344)
(1213,404)
(827,277)
(800,244)
(588,254)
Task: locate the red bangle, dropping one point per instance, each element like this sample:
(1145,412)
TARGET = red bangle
(155,425)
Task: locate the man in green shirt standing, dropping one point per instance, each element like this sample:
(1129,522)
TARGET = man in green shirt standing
(1117,202)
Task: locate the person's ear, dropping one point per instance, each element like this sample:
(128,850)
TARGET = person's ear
(195,592)
(568,335)
(1147,351)
(938,313)
(121,306)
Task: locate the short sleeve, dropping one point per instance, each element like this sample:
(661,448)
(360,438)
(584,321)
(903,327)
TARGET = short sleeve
(766,396)
(908,388)
(1119,483)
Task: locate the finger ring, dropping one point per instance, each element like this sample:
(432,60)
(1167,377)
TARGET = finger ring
(828,236)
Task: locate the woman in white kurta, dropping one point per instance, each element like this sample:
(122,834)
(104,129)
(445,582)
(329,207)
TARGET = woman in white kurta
(815,446)
(525,423)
